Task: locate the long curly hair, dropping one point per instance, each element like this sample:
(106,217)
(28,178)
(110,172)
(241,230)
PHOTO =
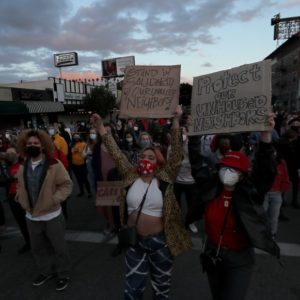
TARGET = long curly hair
(44,138)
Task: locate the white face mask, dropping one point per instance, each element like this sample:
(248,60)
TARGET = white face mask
(51,131)
(129,140)
(93,136)
(229,177)
(184,137)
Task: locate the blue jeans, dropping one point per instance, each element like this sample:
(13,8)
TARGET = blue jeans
(272,204)
(152,256)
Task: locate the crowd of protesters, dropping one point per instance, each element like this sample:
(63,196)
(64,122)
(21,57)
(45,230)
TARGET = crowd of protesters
(214,173)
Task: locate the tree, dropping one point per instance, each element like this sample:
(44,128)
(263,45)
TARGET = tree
(100,100)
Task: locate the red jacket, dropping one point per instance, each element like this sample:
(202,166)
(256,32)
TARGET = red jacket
(58,154)
(13,170)
(282,180)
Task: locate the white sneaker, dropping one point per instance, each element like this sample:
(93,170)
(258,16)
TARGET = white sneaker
(193,228)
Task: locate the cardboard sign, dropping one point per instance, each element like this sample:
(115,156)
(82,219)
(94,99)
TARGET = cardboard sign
(109,193)
(234,100)
(150,91)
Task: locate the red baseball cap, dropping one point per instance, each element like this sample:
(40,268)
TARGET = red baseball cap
(236,160)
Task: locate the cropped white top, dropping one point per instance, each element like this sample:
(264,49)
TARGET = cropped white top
(153,205)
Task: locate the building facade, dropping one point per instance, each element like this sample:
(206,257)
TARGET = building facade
(286,75)
(36,104)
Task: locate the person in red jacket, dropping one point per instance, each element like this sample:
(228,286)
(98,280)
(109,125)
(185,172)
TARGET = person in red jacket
(18,212)
(273,199)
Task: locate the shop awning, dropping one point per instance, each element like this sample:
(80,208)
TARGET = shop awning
(36,107)
(13,108)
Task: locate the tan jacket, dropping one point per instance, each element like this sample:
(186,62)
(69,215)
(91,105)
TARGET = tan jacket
(177,237)
(56,187)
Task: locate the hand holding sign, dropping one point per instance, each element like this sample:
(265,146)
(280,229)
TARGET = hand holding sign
(266,136)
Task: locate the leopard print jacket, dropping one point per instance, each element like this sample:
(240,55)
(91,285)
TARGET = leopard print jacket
(177,238)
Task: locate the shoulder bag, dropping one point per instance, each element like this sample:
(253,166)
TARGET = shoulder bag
(128,236)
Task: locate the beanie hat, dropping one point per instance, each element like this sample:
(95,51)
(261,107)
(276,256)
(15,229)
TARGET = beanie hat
(236,160)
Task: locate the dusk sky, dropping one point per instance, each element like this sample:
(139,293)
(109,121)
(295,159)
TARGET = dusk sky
(202,36)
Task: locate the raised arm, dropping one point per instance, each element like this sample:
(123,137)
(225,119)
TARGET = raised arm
(173,163)
(264,168)
(119,158)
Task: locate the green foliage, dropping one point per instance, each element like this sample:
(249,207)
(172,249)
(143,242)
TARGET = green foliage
(100,100)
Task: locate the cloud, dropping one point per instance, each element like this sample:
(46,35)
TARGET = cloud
(246,15)
(290,4)
(207,65)
(32,31)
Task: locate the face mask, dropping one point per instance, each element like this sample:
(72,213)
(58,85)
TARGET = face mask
(229,177)
(82,123)
(93,136)
(76,138)
(145,167)
(7,135)
(51,131)
(184,137)
(33,151)
(135,128)
(129,140)
(145,143)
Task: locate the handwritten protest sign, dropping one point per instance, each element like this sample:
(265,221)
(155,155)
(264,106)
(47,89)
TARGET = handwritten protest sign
(150,91)
(109,193)
(233,100)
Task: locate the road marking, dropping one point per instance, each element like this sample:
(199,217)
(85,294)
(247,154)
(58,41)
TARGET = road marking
(287,249)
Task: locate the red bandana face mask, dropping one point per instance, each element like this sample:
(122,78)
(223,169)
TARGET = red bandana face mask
(145,167)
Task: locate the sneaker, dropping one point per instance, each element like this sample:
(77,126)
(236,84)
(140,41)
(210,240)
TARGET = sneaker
(41,279)
(62,283)
(193,228)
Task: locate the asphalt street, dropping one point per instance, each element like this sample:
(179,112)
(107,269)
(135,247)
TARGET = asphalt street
(98,275)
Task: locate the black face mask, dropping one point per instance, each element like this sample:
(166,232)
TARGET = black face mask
(33,151)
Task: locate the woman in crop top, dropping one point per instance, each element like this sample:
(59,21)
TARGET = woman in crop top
(162,234)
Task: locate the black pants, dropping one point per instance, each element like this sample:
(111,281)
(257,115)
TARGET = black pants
(189,191)
(2,215)
(80,173)
(19,215)
(49,247)
(295,188)
(231,277)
